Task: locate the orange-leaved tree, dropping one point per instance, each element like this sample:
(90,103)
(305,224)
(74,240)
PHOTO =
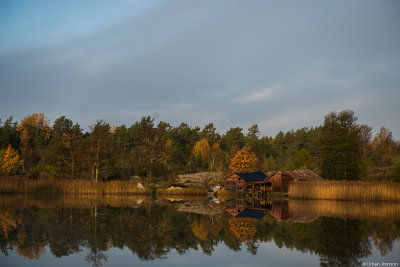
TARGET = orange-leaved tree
(9,161)
(7,223)
(243,228)
(244,161)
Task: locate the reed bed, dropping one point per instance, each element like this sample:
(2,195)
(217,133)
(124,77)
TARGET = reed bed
(72,201)
(345,190)
(344,209)
(18,185)
(225,194)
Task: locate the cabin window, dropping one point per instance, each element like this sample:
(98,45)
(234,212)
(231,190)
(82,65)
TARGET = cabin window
(239,179)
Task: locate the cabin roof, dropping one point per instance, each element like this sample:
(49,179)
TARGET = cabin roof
(249,213)
(305,175)
(252,176)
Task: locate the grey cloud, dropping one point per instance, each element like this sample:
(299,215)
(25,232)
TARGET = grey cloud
(192,60)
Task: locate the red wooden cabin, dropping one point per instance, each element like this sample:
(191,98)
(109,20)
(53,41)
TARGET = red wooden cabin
(240,181)
(280,181)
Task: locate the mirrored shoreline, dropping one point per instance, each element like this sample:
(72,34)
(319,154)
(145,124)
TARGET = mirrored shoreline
(166,230)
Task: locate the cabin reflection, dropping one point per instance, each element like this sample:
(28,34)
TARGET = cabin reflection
(259,208)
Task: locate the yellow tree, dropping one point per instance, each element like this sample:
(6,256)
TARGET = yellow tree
(35,132)
(9,161)
(33,125)
(202,150)
(244,161)
(243,228)
(215,150)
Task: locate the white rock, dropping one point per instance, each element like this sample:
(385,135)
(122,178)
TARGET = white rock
(140,186)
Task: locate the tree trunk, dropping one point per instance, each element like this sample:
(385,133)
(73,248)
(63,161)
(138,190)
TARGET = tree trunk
(97,164)
(72,168)
(97,173)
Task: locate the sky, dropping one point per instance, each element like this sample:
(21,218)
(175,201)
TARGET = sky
(279,64)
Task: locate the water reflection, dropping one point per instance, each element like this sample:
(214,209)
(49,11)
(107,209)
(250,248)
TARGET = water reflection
(151,229)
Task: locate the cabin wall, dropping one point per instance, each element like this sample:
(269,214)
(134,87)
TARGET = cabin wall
(280,181)
(279,210)
(235,207)
(234,182)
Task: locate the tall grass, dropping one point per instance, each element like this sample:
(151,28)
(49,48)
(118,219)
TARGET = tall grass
(345,190)
(345,209)
(71,201)
(77,186)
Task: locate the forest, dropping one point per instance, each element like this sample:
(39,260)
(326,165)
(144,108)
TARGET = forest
(339,149)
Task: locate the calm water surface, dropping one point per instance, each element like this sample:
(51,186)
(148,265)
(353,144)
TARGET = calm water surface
(134,231)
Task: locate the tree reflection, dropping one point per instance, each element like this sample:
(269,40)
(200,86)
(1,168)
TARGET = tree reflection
(383,234)
(7,222)
(96,257)
(151,231)
(342,242)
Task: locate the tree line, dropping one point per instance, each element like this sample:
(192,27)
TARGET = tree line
(338,149)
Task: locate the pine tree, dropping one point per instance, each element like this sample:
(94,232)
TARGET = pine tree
(341,148)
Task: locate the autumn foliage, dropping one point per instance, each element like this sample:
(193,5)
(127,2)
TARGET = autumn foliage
(244,161)
(243,228)
(30,126)
(202,149)
(9,161)
(7,222)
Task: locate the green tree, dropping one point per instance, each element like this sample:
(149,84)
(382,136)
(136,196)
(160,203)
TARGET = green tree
(233,140)
(210,133)
(99,149)
(183,139)
(340,146)
(150,152)
(253,133)
(65,147)
(302,159)
(269,164)
(395,176)
(260,146)
(9,134)
(123,145)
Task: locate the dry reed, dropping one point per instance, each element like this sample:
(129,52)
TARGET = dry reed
(345,190)
(344,209)
(72,201)
(77,186)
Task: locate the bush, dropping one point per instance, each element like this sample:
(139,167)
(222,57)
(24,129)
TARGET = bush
(46,171)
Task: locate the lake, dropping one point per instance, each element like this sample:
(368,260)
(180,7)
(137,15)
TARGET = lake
(139,231)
